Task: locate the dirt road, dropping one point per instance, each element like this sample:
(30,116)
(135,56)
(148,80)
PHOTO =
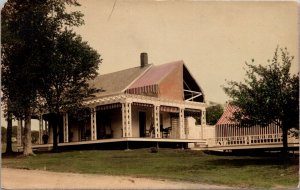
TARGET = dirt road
(35,179)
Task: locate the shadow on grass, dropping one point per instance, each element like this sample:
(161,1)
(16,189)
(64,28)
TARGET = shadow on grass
(11,155)
(241,162)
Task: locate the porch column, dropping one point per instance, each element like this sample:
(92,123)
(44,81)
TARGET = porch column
(203,123)
(19,132)
(126,119)
(93,124)
(156,121)
(47,127)
(181,123)
(40,129)
(66,127)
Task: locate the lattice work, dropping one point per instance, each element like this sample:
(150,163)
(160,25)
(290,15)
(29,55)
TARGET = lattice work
(143,99)
(129,126)
(66,127)
(203,117)
(181,124)
(156,122)
(93,124)
(126,120)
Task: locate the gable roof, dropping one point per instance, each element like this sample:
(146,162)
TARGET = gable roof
(227,115)
(117,82)
(146,80)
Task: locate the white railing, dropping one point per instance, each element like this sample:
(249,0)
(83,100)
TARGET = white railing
(245,140)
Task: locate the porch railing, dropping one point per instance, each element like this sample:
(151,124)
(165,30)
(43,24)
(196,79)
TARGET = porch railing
(245,140)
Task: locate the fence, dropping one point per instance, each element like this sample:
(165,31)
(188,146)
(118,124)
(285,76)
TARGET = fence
(246,140)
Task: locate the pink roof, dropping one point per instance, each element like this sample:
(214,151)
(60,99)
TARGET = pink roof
(227,116)
(155,74)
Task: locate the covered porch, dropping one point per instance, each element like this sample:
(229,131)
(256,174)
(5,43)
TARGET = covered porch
(127,116)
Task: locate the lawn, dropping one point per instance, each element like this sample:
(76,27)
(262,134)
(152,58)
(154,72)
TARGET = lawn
(174,164)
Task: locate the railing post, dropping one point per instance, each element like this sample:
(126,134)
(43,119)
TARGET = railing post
(93,124)
(181,123)
(156,110)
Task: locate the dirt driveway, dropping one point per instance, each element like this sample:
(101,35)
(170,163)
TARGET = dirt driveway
(35,179)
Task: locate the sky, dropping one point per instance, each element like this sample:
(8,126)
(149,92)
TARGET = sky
(213,38)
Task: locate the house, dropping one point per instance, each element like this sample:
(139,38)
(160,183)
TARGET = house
(147,102)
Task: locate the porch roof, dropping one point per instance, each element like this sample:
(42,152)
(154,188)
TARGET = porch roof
(133,98)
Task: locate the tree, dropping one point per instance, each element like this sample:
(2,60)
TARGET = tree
(269,94)
(66,81)
(40,55)
(213,113)
(19,65)
(71,64)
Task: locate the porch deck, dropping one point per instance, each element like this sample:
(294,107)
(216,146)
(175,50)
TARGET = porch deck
(127,139)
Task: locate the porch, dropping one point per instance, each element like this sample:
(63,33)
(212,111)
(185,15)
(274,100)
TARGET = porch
(126,116)
(180,143)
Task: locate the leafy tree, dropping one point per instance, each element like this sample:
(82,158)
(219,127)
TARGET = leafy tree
(213,113)
(18,66)
(269,94)
(44,59)
(64,82)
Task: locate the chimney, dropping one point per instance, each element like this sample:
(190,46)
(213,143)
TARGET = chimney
(144,59)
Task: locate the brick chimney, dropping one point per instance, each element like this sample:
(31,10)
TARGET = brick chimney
(144,59)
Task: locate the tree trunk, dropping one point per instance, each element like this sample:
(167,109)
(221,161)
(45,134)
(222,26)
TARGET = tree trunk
(9,134)
(54,131)
(27,137)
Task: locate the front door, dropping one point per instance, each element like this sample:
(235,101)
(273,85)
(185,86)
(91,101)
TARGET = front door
(142,123)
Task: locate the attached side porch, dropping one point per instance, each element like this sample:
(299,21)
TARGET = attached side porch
(127,118)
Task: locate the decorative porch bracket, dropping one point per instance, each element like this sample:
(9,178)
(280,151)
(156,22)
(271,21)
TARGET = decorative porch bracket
(156,121)
(181,123)
(66,127)
(93,124)
(126,119)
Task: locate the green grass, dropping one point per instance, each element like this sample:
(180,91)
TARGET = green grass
(192,166)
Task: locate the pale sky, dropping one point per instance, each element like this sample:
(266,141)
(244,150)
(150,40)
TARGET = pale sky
(213,38)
